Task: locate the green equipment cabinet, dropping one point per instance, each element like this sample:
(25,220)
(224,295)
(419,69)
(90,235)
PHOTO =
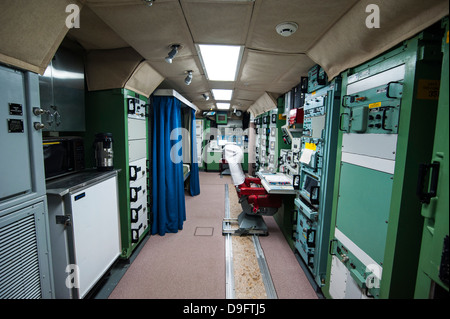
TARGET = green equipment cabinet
(386,130)
(275,139)
(124,114)
(433,273)
(258,125)
(316,179)
(264,141)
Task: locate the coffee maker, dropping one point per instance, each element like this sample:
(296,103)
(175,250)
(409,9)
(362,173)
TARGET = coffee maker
(103,146)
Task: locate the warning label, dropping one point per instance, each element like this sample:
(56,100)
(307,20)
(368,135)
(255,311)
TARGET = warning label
(428,89)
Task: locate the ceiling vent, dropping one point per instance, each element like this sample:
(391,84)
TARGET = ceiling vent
(286,28)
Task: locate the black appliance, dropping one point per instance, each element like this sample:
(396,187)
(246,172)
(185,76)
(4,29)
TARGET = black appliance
(62,155)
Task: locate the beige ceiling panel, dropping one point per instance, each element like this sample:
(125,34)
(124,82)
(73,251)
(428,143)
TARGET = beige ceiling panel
(246,95)
(178,67)
(149,30)
(291,78)
(241,104)
(352,43)
(198,85)
(144,79)
(262,69)
(110,69)
(218,22)
(313,18)
(265,103)
(103,37)
(31,31)
(203,105)
(225,85)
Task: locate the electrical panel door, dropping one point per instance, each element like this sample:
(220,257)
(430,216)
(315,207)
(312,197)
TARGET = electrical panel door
(386,126)
(15,168)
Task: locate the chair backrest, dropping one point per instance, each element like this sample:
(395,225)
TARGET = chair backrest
(234,155)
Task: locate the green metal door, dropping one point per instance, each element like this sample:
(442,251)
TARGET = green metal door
(387,123)
(432,279)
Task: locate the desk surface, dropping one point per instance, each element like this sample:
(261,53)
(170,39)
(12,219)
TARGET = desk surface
(273,188)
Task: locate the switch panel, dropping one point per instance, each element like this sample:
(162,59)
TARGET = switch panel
(375,110)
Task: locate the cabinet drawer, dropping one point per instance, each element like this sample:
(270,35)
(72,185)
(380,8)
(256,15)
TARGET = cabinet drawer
(137,229)
(137,149)
(138,169)
(137,209)
(138,189)
(136,129)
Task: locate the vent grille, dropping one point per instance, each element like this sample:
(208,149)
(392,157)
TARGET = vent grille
(19,263)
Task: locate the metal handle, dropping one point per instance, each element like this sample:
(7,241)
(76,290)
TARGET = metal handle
(38,111)
(135,214)
(344,100)
(340,122)
(425,197)
(315,200)
(330,248)
(389,87)
(383,119)
(38,126)
(134,197)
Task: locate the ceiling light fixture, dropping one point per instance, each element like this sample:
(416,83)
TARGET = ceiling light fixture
(149,2)
(188,78)
(286,28)
(223,106)
(220,62)
(222,95)
(172,53)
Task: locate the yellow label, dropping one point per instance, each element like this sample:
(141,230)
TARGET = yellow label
(428,89)
(447,36)
(51,143)
(281,117)
(313,93)
(374,105)
(310,146)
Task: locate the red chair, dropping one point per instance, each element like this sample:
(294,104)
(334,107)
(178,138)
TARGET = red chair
(253,197)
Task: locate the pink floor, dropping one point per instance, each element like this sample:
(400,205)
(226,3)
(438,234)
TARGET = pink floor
(190,264)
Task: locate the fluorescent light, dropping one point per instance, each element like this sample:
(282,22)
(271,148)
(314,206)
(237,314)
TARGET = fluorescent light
(222,95)
(220,61)
(223,106)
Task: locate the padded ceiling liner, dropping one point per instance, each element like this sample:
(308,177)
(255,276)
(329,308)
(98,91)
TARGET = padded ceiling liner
(103,37)
(331,33)
(349,42)
(144,80)
(313,17)
(31,31)
(110,69)
(227,22)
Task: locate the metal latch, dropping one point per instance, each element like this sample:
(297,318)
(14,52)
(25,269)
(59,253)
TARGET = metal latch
(65,220)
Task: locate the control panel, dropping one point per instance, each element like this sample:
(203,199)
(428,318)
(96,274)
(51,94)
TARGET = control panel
(366,277)
(376,110)
(305,236)
(317,78)
(136,108)
(315,174)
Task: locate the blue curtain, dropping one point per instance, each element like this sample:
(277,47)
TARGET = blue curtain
(194,181)
(169,210)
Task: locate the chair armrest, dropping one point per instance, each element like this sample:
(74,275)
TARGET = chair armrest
(252,191)
(255,180)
